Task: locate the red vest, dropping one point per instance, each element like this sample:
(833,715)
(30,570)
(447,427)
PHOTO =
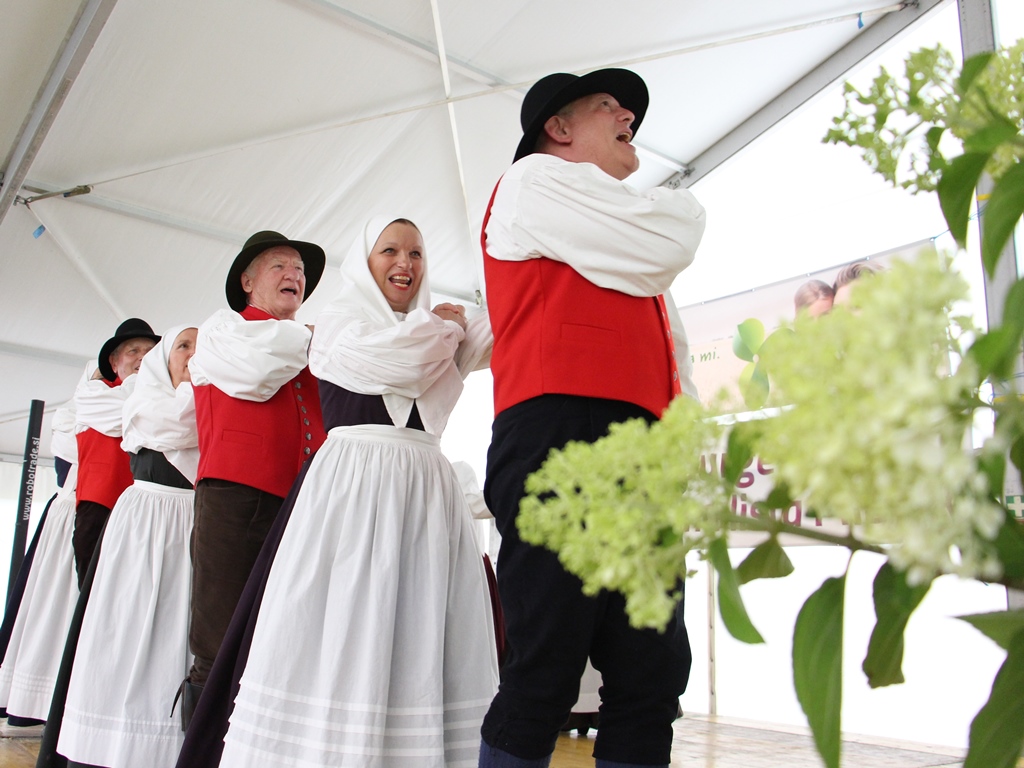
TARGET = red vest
(103,468)
(261,445)
(555,332)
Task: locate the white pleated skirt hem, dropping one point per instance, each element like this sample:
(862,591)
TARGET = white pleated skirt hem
(29,670)
(374,645)
(133,649)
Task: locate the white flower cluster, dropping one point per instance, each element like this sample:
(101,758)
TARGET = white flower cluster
(876,433)
(872,432)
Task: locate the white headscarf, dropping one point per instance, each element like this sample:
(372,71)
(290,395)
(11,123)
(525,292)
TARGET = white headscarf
(430,343)
(361,290)
(62,440)
(158,416)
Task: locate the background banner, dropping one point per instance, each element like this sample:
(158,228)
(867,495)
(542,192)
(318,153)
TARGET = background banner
(711,325)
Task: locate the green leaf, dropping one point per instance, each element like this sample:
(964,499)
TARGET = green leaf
(934,136)
(1003,211)
(740,349)
(997,732)
(818,665)
(1009,544)
(1013,308)
(768,560)
(779,497)
(749,338)
(668,536)
(738,453)
(1000,626)
(993,465)
(895,600)
(992,136)
(730,604)
(973,67)
(995,352)
(754,386)
(1017,453)
(956,191)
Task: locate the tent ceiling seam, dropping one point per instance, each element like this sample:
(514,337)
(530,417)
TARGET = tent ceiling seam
(80,264)
(521,87)
(418,47)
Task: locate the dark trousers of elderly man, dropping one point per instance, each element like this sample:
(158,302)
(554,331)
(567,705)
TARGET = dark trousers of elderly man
(552,627)
(90,517)
(231,524)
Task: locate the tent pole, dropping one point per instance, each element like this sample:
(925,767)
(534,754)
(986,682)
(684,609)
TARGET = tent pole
(977,35)
(28,481)
(82,36)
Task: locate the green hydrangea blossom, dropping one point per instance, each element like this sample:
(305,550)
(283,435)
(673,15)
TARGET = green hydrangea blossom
(877,428)
(902,125)
(623,512)
(872,431)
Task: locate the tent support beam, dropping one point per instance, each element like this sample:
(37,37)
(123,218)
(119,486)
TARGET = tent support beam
(81,38)
(977,35)
(42,355)
(821,77)
(143,214)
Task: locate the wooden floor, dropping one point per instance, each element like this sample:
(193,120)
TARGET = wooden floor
(19,746)
(700,742)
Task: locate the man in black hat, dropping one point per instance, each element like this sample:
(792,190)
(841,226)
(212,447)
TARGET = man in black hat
(258,414)
(103,471)
(577,263)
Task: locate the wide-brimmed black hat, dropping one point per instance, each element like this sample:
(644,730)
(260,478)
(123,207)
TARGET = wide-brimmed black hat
(132,328)
(551,93)
(313,259)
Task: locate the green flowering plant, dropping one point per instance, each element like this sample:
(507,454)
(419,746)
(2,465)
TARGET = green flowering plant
(899,377)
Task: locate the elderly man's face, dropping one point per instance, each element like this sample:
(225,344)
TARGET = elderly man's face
(127,356)
(599,133)
(275,282)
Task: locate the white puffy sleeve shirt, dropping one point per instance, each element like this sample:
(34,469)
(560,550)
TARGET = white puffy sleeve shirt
(616,237)
(405,362)
(98,406)
(248,359)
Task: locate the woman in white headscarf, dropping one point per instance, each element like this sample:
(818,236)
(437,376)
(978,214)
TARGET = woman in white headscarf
(374,644)
(132,650)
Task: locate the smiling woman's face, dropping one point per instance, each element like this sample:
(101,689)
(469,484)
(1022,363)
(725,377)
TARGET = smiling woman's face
(276,282)
(182,349)
(396,263)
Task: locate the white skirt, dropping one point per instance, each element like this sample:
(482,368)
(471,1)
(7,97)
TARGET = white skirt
(29,670)
(374,645)
(133,650)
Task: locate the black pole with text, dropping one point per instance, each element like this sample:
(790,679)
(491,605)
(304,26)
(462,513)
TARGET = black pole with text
(28,482)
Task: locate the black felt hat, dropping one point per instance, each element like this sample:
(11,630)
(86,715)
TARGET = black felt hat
(132,328)
(313,260)
(551,93)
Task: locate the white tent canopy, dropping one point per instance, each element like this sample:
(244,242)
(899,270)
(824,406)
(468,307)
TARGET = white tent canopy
(190,125)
